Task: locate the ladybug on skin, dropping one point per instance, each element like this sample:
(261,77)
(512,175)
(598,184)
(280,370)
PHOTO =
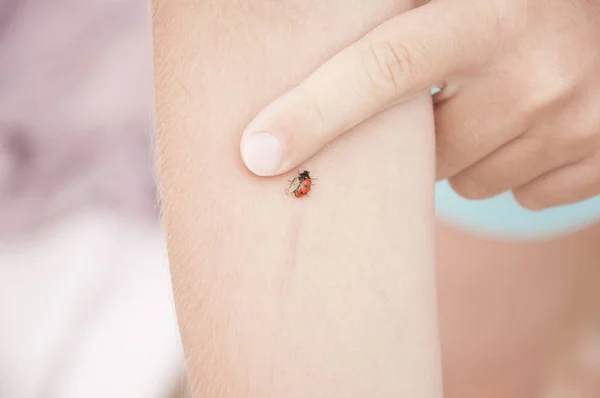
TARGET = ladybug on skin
(300,186)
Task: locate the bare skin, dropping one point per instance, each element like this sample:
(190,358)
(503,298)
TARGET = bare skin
(332,295)
(274,293)
(519,105)
(519,319)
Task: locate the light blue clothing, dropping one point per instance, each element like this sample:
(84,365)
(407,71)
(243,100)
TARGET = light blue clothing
(502,216)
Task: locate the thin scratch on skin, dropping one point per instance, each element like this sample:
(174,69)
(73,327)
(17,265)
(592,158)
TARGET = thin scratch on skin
(291,265)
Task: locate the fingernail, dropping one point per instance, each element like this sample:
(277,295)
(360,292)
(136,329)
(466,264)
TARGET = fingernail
(262,153)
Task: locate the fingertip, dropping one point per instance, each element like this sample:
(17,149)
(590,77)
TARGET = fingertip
(284,134)
(262,153)
(529,202)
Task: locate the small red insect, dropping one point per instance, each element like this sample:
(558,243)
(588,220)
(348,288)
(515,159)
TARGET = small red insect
(300,185)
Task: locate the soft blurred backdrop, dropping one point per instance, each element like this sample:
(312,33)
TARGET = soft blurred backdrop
(85,298)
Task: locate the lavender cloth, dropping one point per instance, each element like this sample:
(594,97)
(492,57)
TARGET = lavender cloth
(75,109)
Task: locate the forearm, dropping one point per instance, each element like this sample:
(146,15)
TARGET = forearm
(332,295)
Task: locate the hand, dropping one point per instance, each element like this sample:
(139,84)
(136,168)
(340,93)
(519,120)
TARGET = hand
(519,109)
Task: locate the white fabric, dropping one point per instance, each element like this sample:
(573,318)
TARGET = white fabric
(86,311)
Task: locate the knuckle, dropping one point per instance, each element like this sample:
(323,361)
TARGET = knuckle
(549,91)
(390,67)
(585,125)
(315,113)
(575,130)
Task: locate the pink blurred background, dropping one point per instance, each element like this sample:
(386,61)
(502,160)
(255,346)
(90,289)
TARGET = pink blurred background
(85,298)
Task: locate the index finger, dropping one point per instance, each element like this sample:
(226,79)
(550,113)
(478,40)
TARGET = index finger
(397,60)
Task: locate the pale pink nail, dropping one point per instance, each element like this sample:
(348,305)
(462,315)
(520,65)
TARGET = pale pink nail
(262,153)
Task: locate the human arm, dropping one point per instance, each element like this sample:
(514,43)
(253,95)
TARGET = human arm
(332,295)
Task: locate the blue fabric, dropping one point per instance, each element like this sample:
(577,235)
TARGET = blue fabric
(503,217)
